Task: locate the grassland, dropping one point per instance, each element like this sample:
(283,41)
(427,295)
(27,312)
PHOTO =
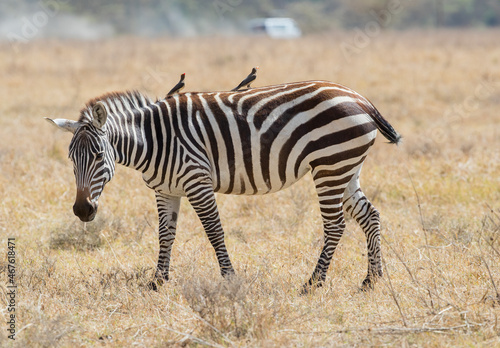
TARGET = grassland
(438,194)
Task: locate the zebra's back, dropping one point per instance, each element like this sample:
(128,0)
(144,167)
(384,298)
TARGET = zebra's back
(265,139)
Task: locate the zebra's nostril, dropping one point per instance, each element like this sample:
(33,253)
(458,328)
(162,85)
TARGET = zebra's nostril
(90,210)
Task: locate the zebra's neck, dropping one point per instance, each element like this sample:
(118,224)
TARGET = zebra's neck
(133,127)
(126,139)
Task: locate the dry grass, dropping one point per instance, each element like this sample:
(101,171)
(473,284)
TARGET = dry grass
(438,195)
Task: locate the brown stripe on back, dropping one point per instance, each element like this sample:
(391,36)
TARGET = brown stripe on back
(261,115)
(267,138)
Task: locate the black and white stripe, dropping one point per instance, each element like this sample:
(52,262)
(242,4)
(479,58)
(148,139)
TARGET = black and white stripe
(255,141)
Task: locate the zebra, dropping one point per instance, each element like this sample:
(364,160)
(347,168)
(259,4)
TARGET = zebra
(250,142)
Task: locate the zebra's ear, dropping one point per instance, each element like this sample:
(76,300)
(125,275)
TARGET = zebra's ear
(99,114)
(67,125)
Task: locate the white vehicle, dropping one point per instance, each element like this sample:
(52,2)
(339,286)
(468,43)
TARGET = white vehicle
(277,28)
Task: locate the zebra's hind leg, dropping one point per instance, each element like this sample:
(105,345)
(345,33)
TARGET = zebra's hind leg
(168,211)
(330,188)
(202,199)
(360,208)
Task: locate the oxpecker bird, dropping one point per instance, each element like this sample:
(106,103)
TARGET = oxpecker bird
(249,79)
(177,88)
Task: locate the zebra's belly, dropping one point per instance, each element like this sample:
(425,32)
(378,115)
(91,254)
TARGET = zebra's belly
(243,184)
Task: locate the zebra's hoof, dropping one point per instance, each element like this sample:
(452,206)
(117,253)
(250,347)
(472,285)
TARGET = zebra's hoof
(309,287)
(155,283)
(367,285)
(152,286)
(306,289)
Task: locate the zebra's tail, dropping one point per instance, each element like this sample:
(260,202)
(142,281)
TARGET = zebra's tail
(385,127)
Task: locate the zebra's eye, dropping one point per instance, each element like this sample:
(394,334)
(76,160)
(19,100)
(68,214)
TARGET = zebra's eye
(99,156)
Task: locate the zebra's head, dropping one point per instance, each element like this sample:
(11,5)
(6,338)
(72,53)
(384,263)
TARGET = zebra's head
(93,159)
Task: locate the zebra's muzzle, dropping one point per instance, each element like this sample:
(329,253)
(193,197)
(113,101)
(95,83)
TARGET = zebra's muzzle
(84,208)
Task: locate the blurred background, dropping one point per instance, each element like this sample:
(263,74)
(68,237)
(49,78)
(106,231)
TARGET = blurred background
(92,19)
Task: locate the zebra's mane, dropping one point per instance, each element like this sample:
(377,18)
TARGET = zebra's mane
(115,101)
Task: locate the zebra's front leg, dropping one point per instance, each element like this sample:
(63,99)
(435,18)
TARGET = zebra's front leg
(202,199)
(168,211)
